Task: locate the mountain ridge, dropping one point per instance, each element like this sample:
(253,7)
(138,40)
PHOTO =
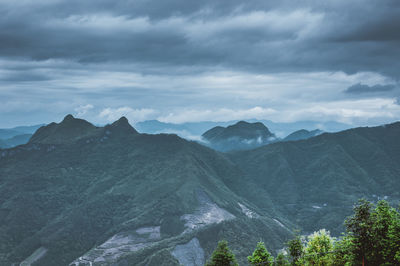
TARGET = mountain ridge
(72,129)
(76,201)
(242,135)
(302,134)
(330,172)
(80,197)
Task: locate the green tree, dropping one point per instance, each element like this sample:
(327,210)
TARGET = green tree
(394,240)
(281,260)
(374,233)
(261,256)
(222,256)
(296,249)
(343,254)
(359,227)
(382,218)
(386,234)
(319,248)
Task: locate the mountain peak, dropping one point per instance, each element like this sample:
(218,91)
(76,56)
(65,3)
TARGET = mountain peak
(302,134)
(71,129)
(242,135)
(122,126)
(68,117)
(122,121)
(250,126)
(68,130)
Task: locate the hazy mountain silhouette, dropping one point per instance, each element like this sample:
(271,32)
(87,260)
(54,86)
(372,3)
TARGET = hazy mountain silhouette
(303,134)
(240,136)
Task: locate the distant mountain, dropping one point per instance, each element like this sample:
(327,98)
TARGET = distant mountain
(194,130)
(240,136)
(284,129)
(12,137)
(15,141)
(7,133)
(190,130)
(81,195)
(315,182)
(3,144)
(302,134)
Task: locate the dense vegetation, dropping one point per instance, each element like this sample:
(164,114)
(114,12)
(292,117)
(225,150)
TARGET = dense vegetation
(75,186)
(372,238)
(315,182)
(70,192)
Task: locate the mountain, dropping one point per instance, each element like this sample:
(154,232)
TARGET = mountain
(193,130)
(77,194)
(240,136)
(15,141)
(284,129)
(3,144)
(315,182)
(189,130)
(84,195)
(69,130)
(16,136)
(302,134)
(7,133)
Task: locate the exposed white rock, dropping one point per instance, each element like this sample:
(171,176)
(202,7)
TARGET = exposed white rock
(119,245)
(189,254)
(279,223)
(249,213)
(153,232)
(207,213)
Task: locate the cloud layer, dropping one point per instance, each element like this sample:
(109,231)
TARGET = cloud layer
(181,60)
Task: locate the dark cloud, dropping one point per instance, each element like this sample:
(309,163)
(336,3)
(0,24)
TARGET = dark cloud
(23,77)
(362,88)
(179,53)
(259,36)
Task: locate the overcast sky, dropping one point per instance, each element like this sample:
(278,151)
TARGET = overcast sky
(184,60)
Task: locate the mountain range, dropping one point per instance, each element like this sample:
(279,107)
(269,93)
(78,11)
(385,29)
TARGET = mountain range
(240,136)
(78,194)
(12,137)
(303,134)
(193,130)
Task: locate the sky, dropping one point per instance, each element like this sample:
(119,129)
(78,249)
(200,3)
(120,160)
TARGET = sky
(187,61)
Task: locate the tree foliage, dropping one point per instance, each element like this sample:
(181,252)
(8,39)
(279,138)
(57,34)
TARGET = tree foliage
(373,237)
(319,248)
(375,233)
(296,249)
(261,256)
(222,256)
(281,260)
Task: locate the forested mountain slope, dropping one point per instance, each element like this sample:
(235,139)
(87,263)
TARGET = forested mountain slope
(316,181)
(77,193)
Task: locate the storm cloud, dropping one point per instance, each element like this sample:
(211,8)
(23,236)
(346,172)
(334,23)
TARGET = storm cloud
(153,59)
(362,88)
